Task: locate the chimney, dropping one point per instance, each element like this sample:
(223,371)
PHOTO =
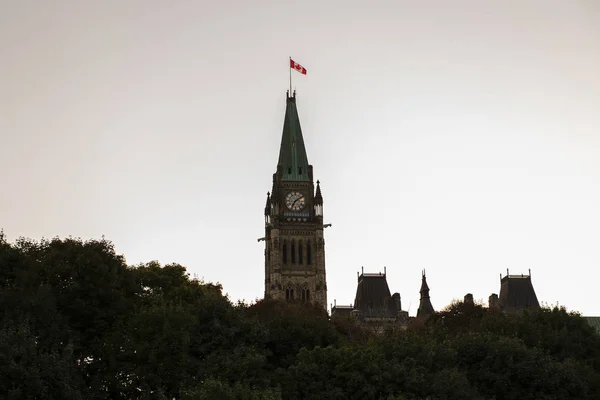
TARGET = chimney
(469,299)
(397,301)
(493,301)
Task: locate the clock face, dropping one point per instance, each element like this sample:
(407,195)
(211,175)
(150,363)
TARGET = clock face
(295,201)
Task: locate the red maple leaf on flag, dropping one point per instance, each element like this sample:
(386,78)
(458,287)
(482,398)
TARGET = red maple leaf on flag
(297,67)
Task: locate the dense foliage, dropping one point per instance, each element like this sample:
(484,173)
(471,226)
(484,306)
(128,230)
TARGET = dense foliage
(78,323)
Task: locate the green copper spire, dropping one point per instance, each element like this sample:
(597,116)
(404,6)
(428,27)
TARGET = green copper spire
(293,162)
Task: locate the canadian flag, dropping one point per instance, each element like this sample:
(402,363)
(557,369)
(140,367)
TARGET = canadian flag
(297,67)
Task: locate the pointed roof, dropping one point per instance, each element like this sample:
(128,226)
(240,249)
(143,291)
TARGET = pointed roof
(319,196)
(425,307)
(293,162)
(424,286)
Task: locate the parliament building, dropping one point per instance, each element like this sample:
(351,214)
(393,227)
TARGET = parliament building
(295,246)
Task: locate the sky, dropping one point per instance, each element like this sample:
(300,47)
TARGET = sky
(457,137)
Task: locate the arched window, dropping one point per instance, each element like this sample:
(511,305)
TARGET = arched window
(305,294)
(293,252)
(289,293)
(300,252)
(284,252)
(308,254)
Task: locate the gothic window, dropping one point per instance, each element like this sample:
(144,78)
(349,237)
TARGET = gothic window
(284,252)
(300,252)
(308,254)
(293,252)
(305,294)
(289,293)
(290,170)
(299,170)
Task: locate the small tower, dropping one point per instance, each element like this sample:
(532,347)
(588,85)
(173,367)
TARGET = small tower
(319,201)
(268,210)
(373,297)
(425,307)
(517,293)
(374,305)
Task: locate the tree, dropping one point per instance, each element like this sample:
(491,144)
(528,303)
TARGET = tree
(77,322)
(28,372)
(292,326)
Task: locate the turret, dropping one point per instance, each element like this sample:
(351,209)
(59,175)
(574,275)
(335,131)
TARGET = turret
(268,209)
(318,201)
(425,307)
(275,196)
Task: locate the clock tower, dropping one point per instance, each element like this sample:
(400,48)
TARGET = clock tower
(294,243)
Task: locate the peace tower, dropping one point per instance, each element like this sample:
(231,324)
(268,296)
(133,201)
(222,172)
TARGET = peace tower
(294,243)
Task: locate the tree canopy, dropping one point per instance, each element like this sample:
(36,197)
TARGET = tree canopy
(77,322)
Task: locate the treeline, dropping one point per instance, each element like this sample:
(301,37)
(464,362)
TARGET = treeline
(78,323)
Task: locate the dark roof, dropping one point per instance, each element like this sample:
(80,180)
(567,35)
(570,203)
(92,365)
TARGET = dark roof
(594,322)
(373,297)
(341,311)
(425,306)
(517,293)
(293,162)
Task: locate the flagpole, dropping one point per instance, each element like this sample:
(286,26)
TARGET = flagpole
(290,67)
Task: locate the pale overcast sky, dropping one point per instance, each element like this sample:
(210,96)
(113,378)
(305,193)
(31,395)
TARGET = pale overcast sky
(460,137)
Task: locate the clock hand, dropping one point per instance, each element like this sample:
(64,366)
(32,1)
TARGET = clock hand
(297,201)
